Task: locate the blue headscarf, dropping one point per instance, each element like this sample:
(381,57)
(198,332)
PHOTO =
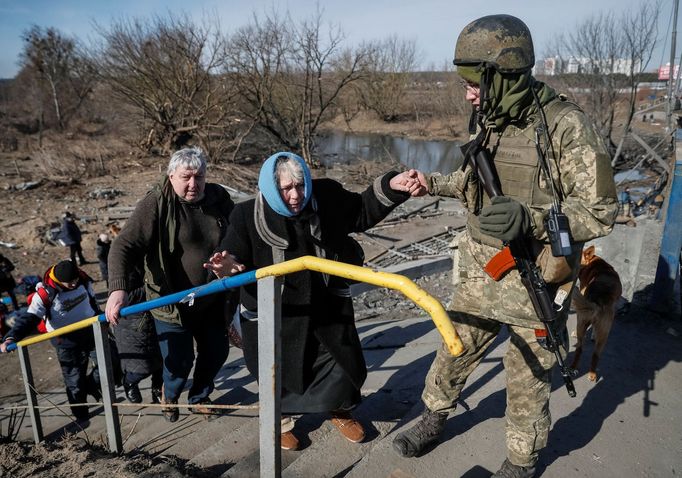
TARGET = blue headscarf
(267,183)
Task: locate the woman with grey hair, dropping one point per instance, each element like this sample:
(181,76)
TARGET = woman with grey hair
(323,367)
(172,231)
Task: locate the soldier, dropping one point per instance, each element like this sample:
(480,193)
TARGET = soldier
(494,56)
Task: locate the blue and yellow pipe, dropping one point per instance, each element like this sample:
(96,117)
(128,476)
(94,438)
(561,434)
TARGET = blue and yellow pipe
(348,271)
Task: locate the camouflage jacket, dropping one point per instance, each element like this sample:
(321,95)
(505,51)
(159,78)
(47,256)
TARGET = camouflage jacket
(582,174)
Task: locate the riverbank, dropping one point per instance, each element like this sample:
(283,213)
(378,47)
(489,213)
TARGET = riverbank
(423,127)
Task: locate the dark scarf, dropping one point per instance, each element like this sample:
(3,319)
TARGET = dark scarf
(168,227)
(510,99)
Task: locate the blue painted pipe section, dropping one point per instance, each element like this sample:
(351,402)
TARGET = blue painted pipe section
(211,288)
(668,269)
(203,290)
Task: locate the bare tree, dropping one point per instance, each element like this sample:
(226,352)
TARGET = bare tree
(57,62)
(593,48)
(389,66)
(610,52)
(171,69)
(445,98)
(291,76)
(26,102)
(639,39)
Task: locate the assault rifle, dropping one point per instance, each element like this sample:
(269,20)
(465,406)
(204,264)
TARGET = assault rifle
(516,253)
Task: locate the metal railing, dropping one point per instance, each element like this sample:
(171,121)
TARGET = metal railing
(269,347)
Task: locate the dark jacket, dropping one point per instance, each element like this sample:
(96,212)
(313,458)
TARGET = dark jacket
(313,304)
(144,242)
(136,340)
(70,233)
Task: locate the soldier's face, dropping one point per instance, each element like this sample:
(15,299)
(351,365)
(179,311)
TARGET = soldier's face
(473,93)
(189,184)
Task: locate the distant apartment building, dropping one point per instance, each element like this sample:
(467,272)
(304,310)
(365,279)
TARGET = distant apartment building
(556,65)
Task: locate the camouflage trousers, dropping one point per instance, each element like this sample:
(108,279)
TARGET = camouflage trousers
(528,368)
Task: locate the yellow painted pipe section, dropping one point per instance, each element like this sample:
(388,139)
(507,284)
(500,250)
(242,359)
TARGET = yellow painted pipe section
(383,279)
(60,331)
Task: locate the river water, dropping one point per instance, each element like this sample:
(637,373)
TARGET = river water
(428,156)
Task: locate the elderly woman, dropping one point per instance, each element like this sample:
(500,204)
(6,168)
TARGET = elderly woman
(323,367)
(172,231)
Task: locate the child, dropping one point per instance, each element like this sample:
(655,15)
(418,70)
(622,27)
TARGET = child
(65,296)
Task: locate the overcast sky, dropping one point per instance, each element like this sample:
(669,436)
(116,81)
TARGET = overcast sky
(434,24)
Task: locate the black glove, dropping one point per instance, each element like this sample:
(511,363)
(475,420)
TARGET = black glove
(505,219)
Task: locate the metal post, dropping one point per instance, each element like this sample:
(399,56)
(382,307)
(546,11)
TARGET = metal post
(269,374)
(31,400)
(106,377)
(673,43)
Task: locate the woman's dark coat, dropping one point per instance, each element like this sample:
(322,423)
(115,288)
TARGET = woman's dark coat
(313,304)
(136,340)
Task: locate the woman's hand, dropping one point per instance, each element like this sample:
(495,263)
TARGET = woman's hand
(223,265)
(412,182)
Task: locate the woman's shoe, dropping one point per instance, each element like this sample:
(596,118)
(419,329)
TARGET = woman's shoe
(349,427)
(288,441)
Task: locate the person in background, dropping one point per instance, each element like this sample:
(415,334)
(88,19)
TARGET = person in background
(494,57)
(625,201)
(70,235)
(102,250)
(171,233)
(323,367)
(64,297)
(7,283)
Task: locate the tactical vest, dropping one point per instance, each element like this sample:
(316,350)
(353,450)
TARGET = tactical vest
(518,168)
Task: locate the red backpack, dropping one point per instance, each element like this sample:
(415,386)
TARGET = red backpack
(42,328)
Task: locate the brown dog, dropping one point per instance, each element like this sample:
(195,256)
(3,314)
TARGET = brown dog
(595,305)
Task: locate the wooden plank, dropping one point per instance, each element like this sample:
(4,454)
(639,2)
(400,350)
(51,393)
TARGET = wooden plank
(653,154)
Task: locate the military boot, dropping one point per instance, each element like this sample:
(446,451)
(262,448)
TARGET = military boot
(427,430)
(514,471)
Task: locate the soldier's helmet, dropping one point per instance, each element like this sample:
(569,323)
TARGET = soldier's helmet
(502,42)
